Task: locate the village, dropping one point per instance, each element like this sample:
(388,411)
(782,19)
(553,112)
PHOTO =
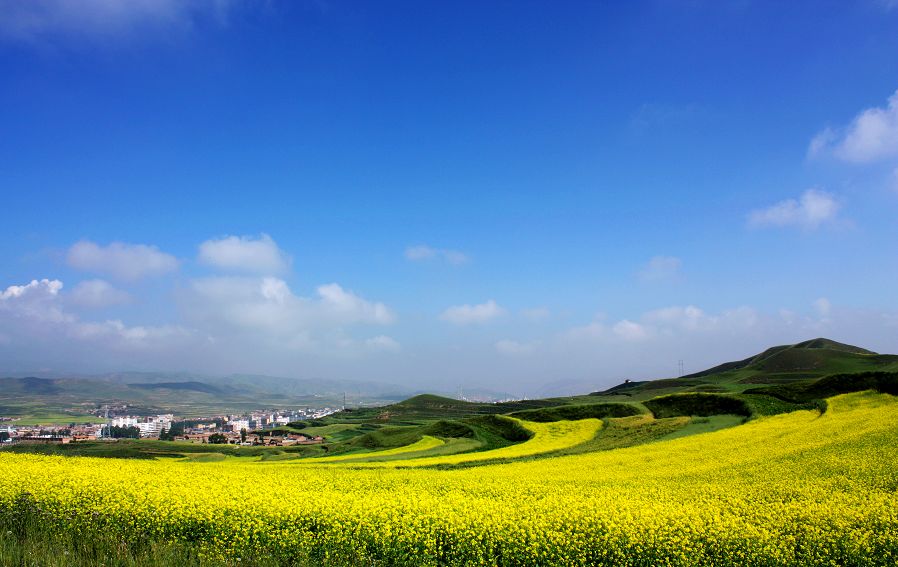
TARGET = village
(267,428)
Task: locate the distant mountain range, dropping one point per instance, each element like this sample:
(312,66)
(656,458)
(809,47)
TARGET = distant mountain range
(191,394)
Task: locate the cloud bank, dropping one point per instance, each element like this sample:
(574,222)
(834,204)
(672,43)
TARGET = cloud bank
(36,21)
(97,294)
(422,252)
(128,262)
(472,314)
(813,209)
(871,136)
(661,269)
(245,254)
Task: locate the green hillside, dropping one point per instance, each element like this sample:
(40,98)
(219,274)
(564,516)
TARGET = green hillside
(426,407)
(781,379)
(786,364)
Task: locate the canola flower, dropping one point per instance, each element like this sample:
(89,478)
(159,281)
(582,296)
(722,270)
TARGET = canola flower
(547,437)
(794,489)
(425,443)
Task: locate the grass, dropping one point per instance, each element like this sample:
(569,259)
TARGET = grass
(697,404)
(698,425)
(574,412)
(804,392)
(151,449)
(55,419)
(618,433)
(422,445)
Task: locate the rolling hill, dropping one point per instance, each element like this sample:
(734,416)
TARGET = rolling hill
(784,364)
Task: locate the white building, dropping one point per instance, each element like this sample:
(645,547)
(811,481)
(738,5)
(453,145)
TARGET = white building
(125,421)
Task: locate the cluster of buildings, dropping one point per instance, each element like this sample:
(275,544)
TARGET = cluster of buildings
(246,429)
(148,426)
(272,438)
(33,434)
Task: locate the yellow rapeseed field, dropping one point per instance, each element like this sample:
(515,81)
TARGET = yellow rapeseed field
(547,437)
(426,442)
(799,489)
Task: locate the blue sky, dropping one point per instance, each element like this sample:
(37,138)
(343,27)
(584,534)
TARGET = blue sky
(505,195)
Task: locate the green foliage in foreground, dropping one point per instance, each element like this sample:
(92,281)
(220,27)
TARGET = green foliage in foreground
(697,404)
(574,412)
(152,449)
(828,386)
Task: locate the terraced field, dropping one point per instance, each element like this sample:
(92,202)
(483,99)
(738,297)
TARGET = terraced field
(802,488)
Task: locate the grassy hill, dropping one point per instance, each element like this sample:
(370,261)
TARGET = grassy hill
(779,380)
(786,364)
(426,407)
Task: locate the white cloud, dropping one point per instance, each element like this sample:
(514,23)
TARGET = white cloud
(120,260)
(470,314)
(383,343)
(536,313)
(811,210)
(673,321)
(630,331)
(661,269)
(423,252)
(38,20)
(36,301)
(823,307)
(34,288)
(821,142)
(514,348)
(420,252)
(586,333)
(871,136)
(353,306)
(98,293)
(245,254)
(688,317)
(136,336)
(266,309)
(35,313)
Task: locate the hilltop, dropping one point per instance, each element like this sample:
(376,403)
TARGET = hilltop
(780,365)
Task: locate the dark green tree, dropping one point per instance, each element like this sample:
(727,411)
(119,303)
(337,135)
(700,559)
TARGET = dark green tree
(218,439)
